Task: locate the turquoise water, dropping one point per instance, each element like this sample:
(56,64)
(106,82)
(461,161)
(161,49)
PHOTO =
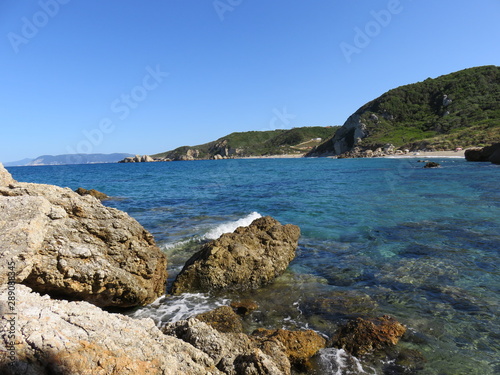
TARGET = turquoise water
(379,236)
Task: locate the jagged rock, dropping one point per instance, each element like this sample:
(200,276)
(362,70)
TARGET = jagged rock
(73,247)
(246,259)
(233,353)
(223,319)
(60,337)
(475,154)
(432,164)
(96,194)
(495,156)
(362,336)
(345,138)
(138,159)
(446,101)
(300,346)
(5,176)
(489,153)
(129,159)
(244,307)
(389,149)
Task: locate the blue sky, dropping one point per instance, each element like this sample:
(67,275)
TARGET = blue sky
(144,77)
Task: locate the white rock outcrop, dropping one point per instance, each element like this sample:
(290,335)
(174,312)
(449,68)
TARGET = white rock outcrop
(74,247)
(60,337)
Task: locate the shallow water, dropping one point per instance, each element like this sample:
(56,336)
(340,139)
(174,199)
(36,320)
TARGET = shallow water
(379,236)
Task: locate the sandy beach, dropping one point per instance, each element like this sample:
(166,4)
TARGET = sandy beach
(431,154)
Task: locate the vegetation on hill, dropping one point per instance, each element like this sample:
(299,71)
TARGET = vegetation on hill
(461,109)
(255,143)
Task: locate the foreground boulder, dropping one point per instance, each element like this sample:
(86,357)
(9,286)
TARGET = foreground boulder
(5,176)
(73,247)
(363,336)
(489,153)
(59,337)
(246,259)
(233,353)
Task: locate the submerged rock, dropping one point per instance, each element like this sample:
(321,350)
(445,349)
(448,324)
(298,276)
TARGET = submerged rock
(60,337)
(244,307)
(246,259)
(361,336)
(73,247)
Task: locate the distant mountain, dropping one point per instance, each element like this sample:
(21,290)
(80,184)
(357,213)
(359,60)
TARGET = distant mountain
(70,159)
(296,141)
(18,163)
(461,109)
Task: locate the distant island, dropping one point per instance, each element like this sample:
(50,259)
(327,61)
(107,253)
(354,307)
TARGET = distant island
(69,159)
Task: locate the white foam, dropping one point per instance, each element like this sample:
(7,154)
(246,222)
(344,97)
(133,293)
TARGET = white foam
(169,309)
(339,362)
(231,226)
(173,245)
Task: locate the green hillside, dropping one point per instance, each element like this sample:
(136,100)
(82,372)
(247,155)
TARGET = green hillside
(461,109)
(255,143)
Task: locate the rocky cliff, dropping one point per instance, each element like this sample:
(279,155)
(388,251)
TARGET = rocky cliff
(461,109)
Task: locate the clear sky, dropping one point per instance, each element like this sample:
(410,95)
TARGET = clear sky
(148,76)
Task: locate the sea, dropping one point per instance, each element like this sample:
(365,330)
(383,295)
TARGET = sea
(378,237)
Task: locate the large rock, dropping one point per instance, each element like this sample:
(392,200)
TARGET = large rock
(233,353)
(73,247)
(60,337)
(489,153)
(345,138)
(5,176)
(300,346)
(495,154)
(246,259)
(223,319)
(361,336)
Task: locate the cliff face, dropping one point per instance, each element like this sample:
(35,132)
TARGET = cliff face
(461,109)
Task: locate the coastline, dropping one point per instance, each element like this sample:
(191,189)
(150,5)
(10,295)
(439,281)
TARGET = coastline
(412,155)
(430,154)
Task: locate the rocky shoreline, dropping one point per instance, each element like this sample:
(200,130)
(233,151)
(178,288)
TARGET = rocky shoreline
(68,259)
